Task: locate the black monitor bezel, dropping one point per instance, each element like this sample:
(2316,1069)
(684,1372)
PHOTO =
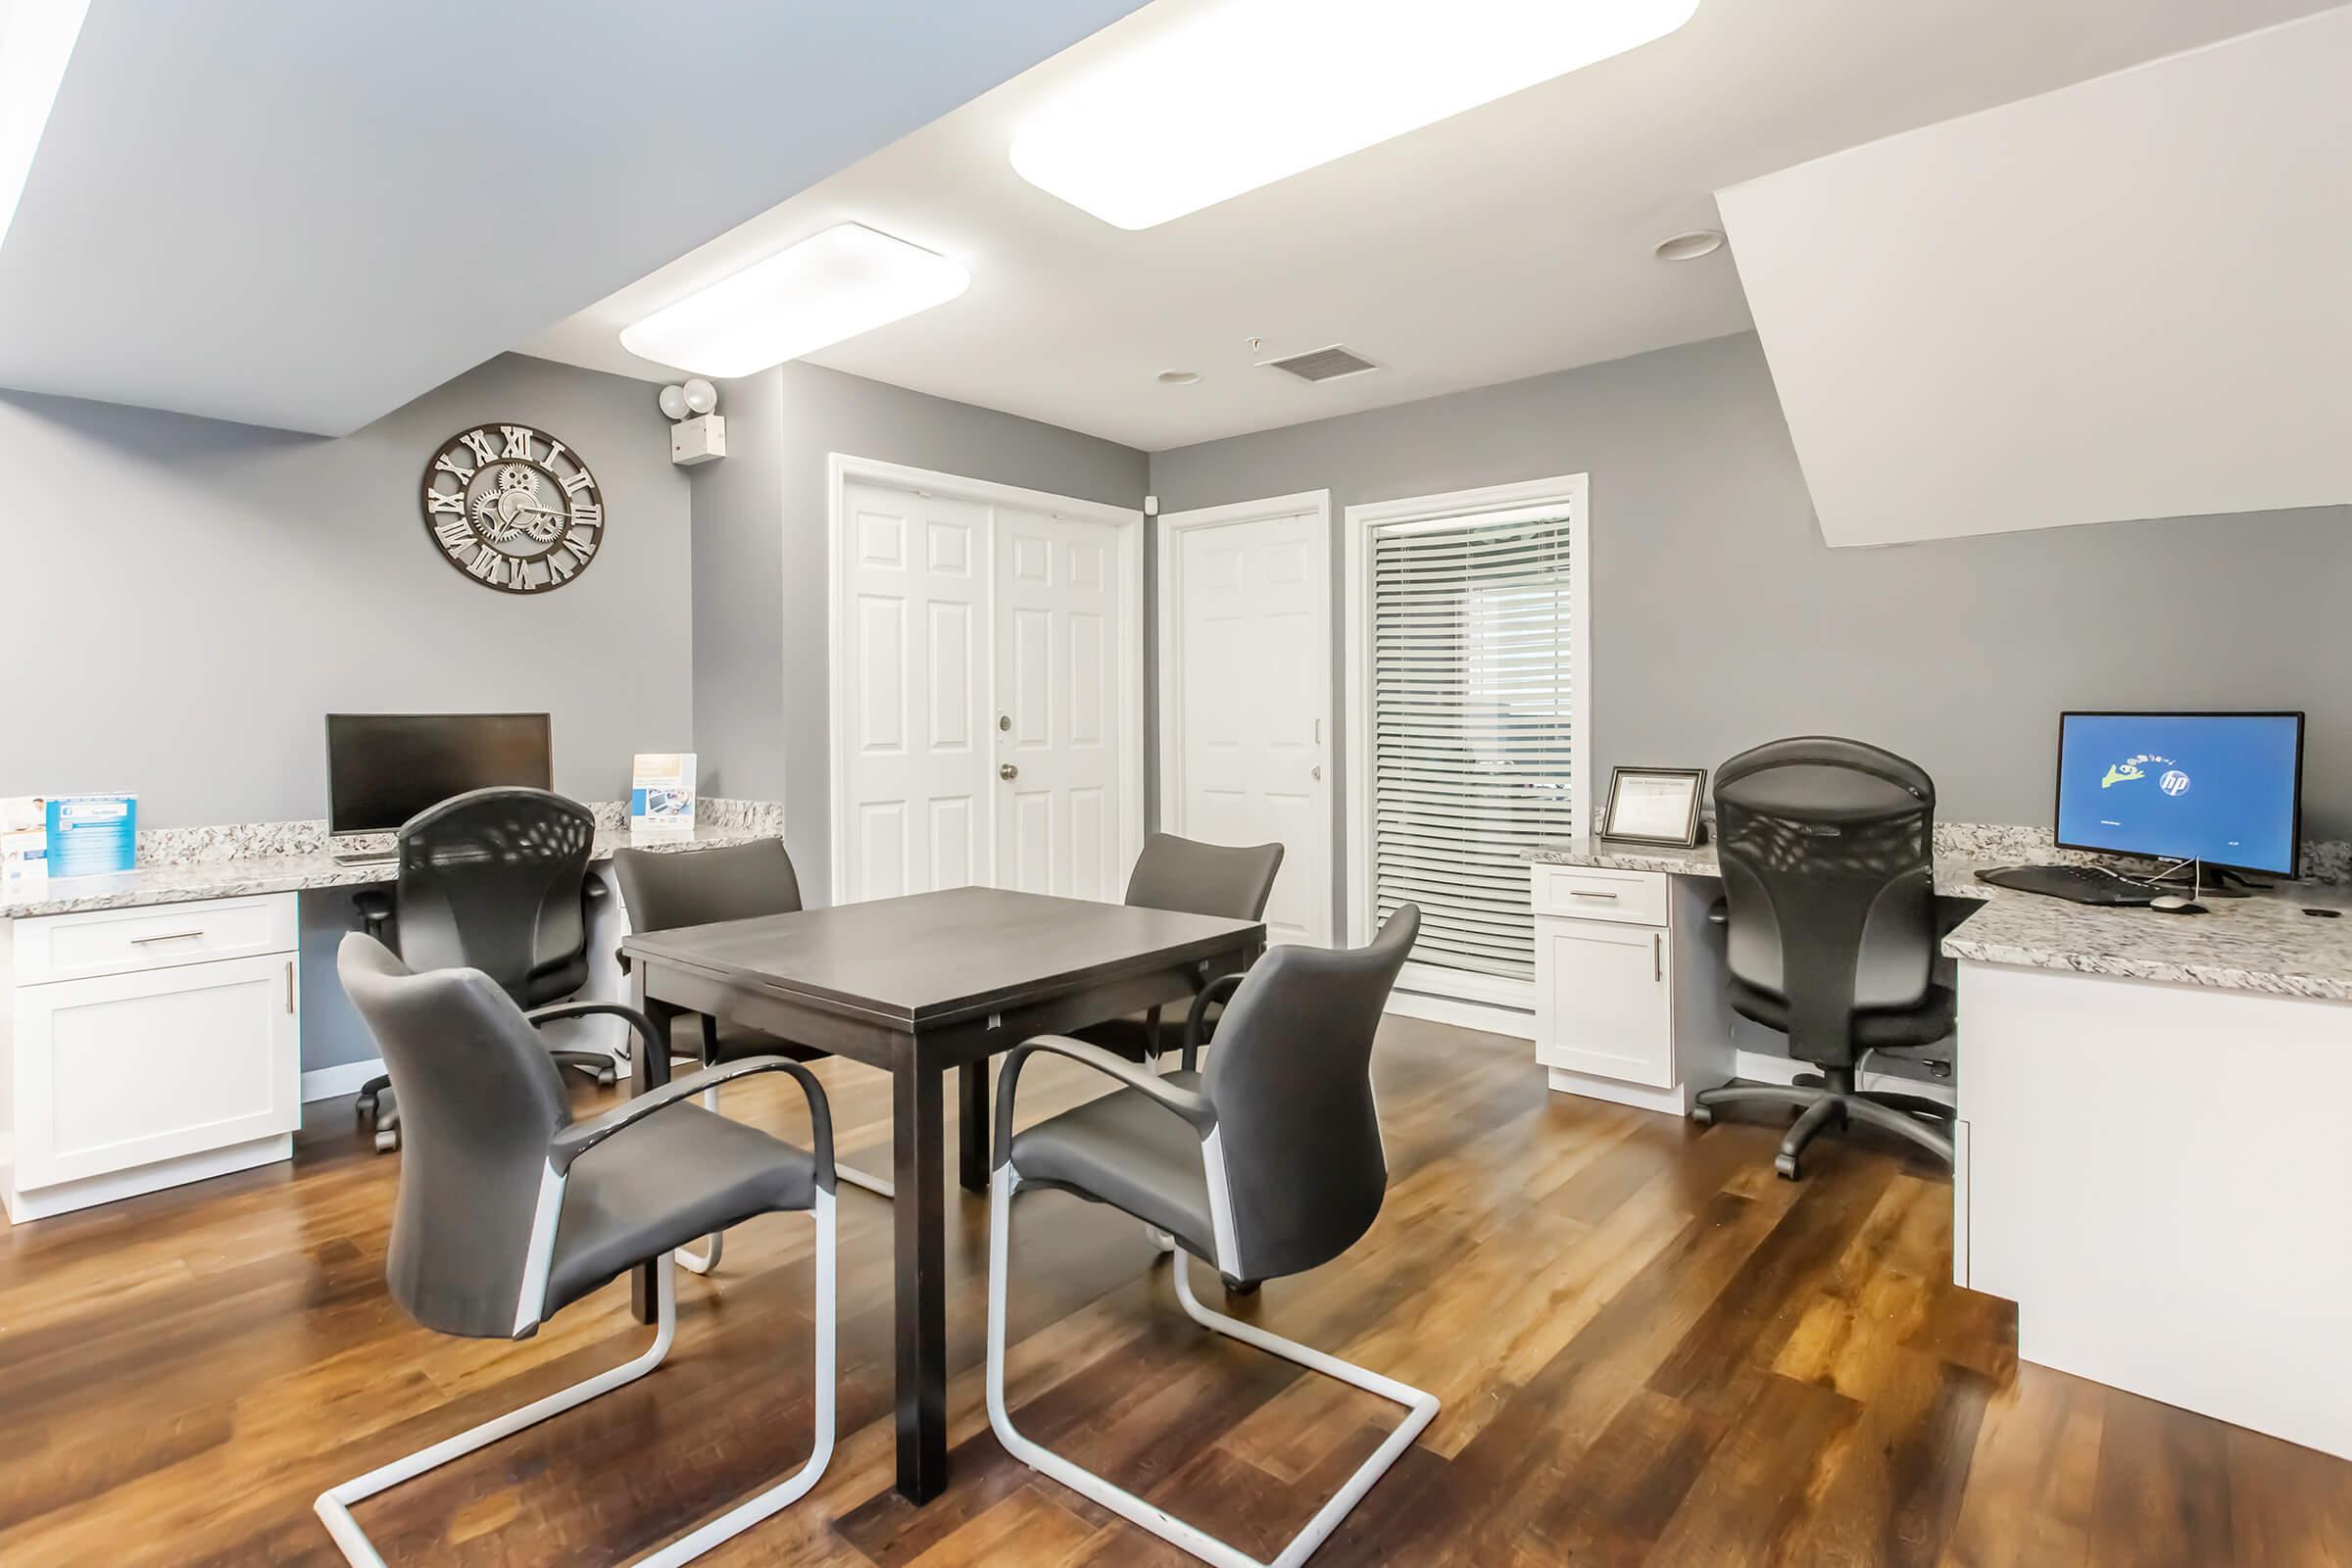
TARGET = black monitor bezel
(546,731)
(2294,869)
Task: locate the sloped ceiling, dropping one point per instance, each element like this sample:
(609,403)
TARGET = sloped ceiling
(304,213)
(2123,299)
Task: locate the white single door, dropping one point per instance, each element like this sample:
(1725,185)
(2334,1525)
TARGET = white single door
(1604,992)
(1059,725)
(915,646)
(1245,701)
(127,1069)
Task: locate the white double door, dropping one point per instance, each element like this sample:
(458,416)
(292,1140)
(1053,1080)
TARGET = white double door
(1246,594)
(983,697)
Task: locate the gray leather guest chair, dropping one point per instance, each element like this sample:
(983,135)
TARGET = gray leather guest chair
(1193,878)
(494,881)
(509,1210)
(1829,878)
(663,890)
(1268,1163)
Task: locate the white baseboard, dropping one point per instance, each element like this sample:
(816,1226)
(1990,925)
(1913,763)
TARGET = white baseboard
(343,1078)
(1762,1067)
(1481,1015)
(1675,1102)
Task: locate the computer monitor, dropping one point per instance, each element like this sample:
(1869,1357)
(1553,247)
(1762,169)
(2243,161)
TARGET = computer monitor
(383,769)
(2223,788)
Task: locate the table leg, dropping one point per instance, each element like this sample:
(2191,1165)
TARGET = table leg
(651,1070)
(918,1220)
(971,1111)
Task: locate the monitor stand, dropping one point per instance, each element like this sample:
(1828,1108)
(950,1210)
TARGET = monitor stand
(2210,881)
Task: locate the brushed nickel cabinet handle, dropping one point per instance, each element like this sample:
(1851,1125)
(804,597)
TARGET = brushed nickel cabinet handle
(289,985)
(1657,956)
(1580,893)
(169,936)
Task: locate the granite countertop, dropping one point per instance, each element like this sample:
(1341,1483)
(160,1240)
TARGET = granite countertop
(245,875)
(2264,942)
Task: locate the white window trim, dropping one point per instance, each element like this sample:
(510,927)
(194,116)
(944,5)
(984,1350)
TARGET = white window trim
(1316,503)
(1440,987)
(842,470)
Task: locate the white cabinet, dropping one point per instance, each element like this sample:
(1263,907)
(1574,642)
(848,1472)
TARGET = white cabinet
(1629,1004)
(145,1048)
(1603,1001)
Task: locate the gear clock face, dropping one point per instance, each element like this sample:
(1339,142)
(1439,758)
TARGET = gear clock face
(514,507)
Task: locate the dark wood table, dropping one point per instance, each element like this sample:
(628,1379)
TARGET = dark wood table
(918,985)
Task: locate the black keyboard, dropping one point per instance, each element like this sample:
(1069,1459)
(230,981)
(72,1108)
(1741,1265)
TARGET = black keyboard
(2078,884)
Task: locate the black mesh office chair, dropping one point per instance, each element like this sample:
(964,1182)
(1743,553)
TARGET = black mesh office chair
(494,881)
(509,1210)
(1829,872)
(1268,1163)
(1191,878)
(665,889)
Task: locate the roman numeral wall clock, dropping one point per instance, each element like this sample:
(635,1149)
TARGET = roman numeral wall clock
(514,507)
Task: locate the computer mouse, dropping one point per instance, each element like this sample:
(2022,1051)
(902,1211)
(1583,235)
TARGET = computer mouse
(2174,904)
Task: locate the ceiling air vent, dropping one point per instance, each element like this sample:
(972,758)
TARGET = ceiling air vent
(1323,364)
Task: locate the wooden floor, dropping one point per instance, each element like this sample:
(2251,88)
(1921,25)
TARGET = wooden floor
(1649,1351)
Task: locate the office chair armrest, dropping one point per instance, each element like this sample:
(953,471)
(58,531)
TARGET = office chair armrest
(1193,1109)
(638,1021)
(1196,1023)
(571,1142)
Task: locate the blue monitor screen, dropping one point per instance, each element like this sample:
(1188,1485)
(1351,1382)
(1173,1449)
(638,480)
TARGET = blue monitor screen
(2216,787)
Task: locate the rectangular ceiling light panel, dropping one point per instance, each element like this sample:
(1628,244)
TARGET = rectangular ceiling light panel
(36,39)
(1241,93)
(830,286)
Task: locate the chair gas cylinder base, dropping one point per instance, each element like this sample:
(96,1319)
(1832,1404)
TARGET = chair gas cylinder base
(1267,1164)
(485,1245)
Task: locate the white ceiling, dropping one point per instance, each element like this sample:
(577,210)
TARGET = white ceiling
(304,213)
(1508,241)
(2124,299)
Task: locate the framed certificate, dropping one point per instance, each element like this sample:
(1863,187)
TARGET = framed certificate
(1654,805)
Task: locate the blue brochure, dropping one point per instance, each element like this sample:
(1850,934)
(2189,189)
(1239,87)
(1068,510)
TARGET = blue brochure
(92,835)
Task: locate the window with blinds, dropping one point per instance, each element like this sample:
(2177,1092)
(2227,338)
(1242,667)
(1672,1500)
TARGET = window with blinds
(1471,725)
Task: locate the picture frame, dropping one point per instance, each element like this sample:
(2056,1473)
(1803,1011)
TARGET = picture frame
(1654,805)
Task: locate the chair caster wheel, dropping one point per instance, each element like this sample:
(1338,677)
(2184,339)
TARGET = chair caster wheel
(1786,1167)
(606,1078)
(1705,1115)
(387,1141)
(1233,1286)
(363,1108)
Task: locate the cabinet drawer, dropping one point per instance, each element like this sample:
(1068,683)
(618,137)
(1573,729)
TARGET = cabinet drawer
(1588,893)
(159,936)
(128,1069)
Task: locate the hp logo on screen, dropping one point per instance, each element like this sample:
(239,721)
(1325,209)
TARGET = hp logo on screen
(2174,782)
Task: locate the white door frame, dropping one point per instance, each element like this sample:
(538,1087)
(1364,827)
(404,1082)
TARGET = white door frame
(1172,646)
(1571,490)
(842,471)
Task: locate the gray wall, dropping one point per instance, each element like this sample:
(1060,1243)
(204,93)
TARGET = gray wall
(200,594)
(759,637)
(1720,619)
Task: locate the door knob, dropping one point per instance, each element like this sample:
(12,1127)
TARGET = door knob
(1007,771)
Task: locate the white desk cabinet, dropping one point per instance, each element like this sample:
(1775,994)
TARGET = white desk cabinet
(144,1048)
(1618,1016)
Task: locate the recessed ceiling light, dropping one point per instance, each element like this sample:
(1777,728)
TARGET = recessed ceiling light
(1177,377)
(35,42)
(1689,245)
(830,286)
(1203,108)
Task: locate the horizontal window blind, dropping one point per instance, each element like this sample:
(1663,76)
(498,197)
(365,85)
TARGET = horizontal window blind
(1471,726)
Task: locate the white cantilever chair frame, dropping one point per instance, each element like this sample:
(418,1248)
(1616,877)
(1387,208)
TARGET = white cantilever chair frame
(333,1507)
(1421,1407)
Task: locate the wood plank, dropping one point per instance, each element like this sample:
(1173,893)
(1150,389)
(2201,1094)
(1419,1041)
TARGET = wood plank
(1652,1352)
